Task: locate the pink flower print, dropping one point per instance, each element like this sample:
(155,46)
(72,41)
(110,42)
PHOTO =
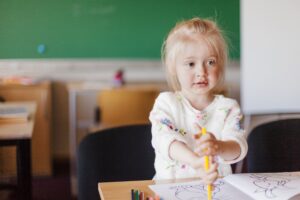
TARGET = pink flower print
(202,116)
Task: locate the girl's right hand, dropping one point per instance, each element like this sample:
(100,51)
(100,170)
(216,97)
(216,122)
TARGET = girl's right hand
(208,176)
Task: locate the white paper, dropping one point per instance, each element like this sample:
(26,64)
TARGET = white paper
(196,190)
(267,186)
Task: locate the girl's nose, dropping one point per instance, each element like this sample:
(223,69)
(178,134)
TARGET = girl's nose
(201,71)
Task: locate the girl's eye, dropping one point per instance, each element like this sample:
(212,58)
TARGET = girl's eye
(211,62)
(191,64)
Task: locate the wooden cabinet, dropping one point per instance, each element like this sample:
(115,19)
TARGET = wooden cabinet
(41,138)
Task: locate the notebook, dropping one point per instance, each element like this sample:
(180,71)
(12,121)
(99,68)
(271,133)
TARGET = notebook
(13,114)
(257,186)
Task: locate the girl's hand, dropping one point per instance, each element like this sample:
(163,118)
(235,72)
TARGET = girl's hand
(208,176)
(206,144)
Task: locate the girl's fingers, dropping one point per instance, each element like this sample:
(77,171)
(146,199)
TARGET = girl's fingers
(212,174)
(207,148)
(213,167)
(206,152)
(199,132)
(200,163)
(210,178)
(206,144)
(212,151)
(204,139)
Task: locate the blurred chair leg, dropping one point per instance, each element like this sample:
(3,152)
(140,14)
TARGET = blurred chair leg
(24,169)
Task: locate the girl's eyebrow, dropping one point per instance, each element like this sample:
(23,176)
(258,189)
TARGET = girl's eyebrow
(193,57)
(189,58)
(212,56)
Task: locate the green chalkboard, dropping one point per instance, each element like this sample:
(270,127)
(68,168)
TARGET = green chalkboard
(104,28)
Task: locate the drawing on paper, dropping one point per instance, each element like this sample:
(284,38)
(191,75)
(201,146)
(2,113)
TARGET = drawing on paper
(198,192)
(269,184)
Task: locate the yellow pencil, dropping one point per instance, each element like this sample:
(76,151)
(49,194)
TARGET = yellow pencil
(206,167)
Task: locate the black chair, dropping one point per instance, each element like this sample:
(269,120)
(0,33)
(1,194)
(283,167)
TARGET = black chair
(274,147)
(116,154)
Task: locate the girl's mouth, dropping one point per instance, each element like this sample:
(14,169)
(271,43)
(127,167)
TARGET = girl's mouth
(201,83)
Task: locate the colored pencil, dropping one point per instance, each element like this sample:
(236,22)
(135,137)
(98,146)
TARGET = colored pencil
(132,194)
(206,166)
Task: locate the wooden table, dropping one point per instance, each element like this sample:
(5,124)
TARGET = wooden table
(122,190)
(19,135)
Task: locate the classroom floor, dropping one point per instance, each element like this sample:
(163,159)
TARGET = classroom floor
(56,187)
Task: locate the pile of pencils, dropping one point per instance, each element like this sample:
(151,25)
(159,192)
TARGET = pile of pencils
(139,195)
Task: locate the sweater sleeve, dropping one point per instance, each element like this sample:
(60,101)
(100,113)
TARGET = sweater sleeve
(234,131)
(164,130)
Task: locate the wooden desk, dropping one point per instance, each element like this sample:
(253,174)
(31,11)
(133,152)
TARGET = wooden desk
(19,135)
(41,153)
(122,190)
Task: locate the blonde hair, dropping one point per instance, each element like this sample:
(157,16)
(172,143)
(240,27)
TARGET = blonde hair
(190,30)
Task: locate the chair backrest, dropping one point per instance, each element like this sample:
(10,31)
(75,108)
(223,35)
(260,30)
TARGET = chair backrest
(274,147)
(116,154)
(126,105)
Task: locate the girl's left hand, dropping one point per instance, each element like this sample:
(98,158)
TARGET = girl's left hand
(206,145)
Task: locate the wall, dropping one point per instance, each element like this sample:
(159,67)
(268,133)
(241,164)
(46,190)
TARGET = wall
(270,64)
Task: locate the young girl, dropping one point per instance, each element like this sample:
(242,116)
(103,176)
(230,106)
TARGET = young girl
(195,55)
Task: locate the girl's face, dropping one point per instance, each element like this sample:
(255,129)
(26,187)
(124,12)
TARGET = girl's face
(197,68)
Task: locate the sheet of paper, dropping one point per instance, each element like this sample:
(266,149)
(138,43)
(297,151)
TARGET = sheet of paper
(7,111)
(196,190)
(267,186)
